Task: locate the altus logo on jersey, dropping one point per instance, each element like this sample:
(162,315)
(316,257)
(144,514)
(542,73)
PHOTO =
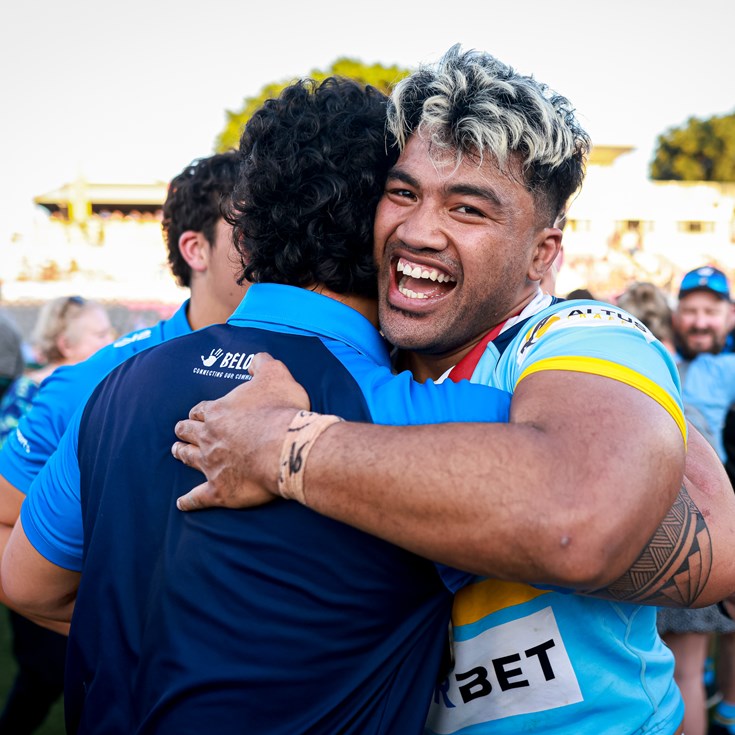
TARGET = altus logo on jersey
(228,365)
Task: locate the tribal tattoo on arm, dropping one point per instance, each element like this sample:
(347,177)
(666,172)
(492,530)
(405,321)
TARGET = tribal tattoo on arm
(674,567)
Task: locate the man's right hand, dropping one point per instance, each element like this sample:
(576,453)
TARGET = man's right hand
(236,440)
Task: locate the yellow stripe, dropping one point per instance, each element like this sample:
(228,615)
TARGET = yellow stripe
(596,366)
(474,602)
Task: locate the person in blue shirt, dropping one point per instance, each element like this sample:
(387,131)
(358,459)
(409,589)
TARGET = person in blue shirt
(310,626)
(569,492)
(702,321)
(68,329)
(200,252)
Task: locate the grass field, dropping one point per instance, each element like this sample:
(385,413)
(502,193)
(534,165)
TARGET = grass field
(54,724)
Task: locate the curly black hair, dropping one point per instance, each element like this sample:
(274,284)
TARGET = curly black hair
(194,202)
(313,164)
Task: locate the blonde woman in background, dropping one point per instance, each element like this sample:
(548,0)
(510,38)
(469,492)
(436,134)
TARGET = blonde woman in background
(68,330)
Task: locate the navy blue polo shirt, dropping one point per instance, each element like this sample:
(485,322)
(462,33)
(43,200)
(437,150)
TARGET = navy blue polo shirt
(268,620)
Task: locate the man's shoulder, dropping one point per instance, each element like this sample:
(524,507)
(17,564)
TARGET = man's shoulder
(584,336)
(577,322)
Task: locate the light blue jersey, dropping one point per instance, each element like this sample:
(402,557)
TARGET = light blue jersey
(534,660)
(709,386)
(38,433)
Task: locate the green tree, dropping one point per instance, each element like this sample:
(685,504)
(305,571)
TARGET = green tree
(699,150)
(382,77)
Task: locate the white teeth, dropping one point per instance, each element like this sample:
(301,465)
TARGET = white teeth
(408,293)
(416,271)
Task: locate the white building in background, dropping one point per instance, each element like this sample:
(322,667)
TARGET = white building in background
(624,227)
(104,240)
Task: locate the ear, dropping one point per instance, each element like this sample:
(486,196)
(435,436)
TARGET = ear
(194,249)
(548,247)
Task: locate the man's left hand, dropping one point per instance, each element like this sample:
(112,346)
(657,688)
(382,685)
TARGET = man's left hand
(236,440)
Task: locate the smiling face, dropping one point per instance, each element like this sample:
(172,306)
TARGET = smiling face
(702,321)
(459,249)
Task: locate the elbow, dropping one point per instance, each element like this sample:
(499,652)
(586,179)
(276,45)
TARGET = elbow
(581,554)
(580,563)
(17,595)
(28,602)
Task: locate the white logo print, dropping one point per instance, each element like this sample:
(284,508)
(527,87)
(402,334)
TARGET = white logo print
(213,355)
(228,365)
(516,668)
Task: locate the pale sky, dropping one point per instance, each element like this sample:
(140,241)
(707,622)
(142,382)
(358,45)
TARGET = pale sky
(132,91)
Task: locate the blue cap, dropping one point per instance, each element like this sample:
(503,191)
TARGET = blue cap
(705,278)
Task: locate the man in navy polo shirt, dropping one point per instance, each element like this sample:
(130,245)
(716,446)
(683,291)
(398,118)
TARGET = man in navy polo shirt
(276,620)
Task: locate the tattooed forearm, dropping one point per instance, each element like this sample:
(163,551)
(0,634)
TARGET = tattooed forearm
(674,567)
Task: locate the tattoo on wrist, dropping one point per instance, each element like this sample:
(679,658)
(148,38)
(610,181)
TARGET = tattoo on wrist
(674,567)
(303,431)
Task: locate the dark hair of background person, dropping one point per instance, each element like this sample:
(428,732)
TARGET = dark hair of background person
(194,202)
(579,293)
(313,164)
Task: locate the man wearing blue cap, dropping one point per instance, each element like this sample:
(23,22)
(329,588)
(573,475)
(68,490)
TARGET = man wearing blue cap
(703,318)
(702,322)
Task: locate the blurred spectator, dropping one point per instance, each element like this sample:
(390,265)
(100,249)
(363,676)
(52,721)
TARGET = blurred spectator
(688,632)
(68,330)
(697,328)
(11,353)
(579,293)
(648,303)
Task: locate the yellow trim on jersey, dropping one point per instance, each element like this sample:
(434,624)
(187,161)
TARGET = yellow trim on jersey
(597,366)
(475,601)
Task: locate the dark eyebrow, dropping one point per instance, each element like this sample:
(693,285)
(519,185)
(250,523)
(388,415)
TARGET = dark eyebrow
(476,191)
(467,189)
(404,176)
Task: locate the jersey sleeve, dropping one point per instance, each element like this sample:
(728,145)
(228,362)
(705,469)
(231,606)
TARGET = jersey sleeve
(399,400)
(38,433)
(51,513)
(600,339)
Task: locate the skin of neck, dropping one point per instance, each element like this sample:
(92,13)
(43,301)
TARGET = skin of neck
(432,365)
(204,308)
(365,305)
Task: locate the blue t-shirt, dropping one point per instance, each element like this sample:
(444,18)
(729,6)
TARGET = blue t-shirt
(39,431)
(16,403)
(709,386)
(269,620)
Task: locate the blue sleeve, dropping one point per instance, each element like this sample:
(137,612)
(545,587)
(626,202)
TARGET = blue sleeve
(38,433)
(51,513)
(399,400)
